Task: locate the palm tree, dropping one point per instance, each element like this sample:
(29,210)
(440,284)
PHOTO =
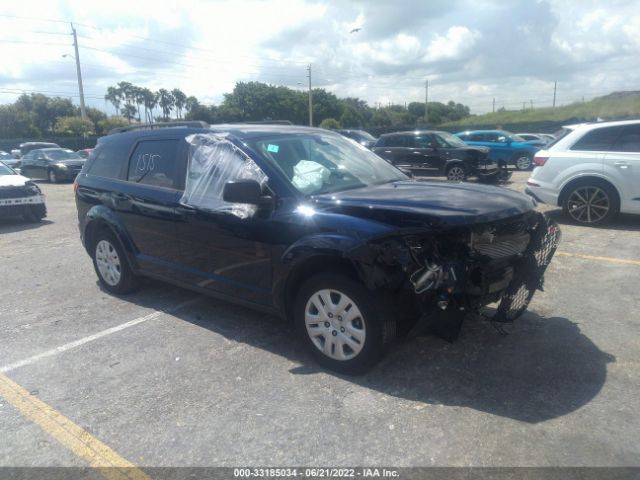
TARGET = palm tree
(113,95)
(128,111)
(149,102)
(179,100)
(166,101)
(138,98)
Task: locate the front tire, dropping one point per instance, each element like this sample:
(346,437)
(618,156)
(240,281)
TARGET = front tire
(346,327)
(111,265)
(591,203)
(34,213)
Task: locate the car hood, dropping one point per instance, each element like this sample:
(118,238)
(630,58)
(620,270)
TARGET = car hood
(13,180)
(416,203)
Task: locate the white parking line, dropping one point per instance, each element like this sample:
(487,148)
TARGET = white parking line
(95,336)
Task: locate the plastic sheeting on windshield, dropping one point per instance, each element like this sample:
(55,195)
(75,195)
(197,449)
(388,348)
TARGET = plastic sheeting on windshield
(213,161)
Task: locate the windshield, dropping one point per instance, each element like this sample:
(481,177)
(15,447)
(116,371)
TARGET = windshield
(62,155)
(515,138)
(4,170)
(450,140)
(324,163)
(360,135)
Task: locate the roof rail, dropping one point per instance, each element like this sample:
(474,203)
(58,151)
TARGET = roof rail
(150,126)
(268,122)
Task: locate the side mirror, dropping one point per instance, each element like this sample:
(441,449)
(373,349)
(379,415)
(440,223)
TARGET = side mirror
(245,191)
(406,171)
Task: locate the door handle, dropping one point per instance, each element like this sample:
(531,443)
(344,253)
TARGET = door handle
(622,164)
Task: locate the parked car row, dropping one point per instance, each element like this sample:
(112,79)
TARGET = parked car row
(435,152)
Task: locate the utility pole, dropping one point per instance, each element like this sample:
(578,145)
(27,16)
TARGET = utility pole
(493,108)
(524,106)
(426,101)
(83,110)
(310,97)
(555,85)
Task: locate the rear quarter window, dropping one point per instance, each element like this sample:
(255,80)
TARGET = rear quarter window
(109,160)
(629,140)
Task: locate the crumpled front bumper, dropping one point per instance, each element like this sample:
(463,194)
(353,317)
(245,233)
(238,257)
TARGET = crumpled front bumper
(529,271)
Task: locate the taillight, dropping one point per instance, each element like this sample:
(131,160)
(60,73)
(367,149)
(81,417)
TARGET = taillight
(75,185)
(539,161)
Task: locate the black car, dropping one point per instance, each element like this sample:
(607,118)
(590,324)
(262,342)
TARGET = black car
(26,147)
(19,196)
(438,153)
(363,138)
(303,222)
(53,164)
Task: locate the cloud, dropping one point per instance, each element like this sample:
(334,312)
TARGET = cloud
(471,51)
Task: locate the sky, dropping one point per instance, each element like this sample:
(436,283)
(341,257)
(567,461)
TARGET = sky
(470,51)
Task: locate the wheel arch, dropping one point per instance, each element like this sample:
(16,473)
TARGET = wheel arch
(586,179)
(99,218)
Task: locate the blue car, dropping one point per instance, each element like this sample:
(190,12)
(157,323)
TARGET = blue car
(505,146)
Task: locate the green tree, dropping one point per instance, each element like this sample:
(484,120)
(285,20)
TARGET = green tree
(128,112)
(330,124)
(106,125)
(113,96)
(75,126)
(350,118)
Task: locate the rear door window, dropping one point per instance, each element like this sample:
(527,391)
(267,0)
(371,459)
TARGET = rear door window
(598,140)
(629,140)
(153,162)
(398,141)
(109,160)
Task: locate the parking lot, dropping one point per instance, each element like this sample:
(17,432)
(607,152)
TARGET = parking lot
(165,377)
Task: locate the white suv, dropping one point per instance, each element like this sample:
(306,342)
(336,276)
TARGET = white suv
(593,172)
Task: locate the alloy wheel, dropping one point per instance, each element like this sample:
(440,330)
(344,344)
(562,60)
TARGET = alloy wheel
(456,174)
(523,163)
(52,176)
(335,324)
(108,262)
(588,204)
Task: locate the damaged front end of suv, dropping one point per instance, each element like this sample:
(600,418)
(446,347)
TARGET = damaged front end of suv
(439,277)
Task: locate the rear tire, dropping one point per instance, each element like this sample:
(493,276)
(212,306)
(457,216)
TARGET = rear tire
(51,175)
(522,162)
(111,264)
(591,203)
(346,327)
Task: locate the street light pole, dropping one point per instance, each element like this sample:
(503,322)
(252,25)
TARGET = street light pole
(83,110)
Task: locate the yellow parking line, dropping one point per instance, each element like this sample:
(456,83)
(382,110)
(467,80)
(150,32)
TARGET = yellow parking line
(79,441)
(601,259)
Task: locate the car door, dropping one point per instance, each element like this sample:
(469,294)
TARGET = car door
(390,147)
(221,251)
(27,168)
(146,203)
(426,154)
(622,165)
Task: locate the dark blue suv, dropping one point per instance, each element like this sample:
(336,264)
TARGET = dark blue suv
(505,147)
(308,224)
